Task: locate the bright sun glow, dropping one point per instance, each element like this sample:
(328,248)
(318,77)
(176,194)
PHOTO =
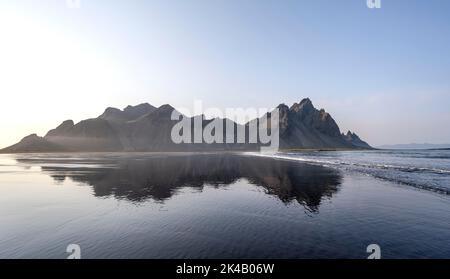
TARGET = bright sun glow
(43,65)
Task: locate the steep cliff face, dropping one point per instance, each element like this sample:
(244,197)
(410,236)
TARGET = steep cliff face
(303,126)
(146,128)
(356,141)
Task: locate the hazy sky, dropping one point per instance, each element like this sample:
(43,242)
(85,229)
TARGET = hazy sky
(384,73)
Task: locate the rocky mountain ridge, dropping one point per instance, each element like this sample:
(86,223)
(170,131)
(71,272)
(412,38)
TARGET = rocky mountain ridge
(145,128)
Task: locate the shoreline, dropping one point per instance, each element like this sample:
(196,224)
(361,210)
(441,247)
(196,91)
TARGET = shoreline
(190,152)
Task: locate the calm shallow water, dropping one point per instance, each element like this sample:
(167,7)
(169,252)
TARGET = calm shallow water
(211,206)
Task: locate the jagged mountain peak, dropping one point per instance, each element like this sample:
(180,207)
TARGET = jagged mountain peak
(324,116)
(306,101)
(305,106)
(355,140)
(352,135)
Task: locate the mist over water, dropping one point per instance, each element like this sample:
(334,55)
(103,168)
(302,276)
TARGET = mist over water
(208,205)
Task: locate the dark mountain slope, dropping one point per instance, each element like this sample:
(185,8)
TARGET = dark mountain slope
(33,143)
(146,128)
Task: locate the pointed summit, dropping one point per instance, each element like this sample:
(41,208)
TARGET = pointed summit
(305,105)
(306,101)
(355,140)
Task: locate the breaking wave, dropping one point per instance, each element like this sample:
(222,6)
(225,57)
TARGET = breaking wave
(429,172)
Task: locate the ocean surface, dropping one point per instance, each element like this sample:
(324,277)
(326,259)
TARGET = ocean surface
(180,205)
(426,169)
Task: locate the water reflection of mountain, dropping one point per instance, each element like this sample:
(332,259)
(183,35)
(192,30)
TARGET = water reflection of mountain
(158,177)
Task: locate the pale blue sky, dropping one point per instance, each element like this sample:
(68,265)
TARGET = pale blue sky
(383,73)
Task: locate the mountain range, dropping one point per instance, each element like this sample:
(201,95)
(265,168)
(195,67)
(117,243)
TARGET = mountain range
(145,128)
